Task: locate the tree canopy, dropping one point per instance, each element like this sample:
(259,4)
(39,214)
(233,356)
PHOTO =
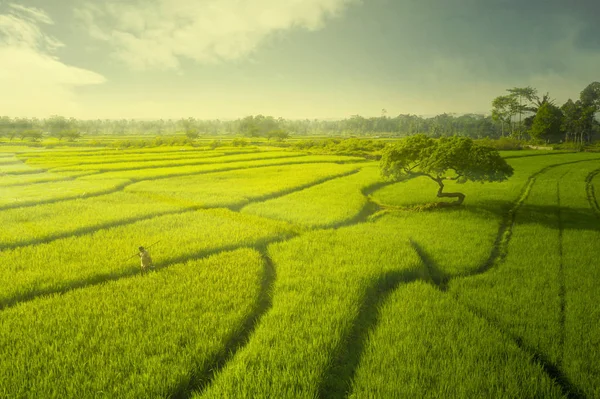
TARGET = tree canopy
(420,155)
(547,123)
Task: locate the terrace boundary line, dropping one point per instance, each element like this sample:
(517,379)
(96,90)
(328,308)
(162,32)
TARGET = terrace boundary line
(124,222)
(383,286)
(591,191)
(132,181)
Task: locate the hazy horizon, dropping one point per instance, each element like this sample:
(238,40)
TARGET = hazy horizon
(311,59)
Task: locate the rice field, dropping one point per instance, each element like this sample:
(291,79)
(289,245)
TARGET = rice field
(286,275)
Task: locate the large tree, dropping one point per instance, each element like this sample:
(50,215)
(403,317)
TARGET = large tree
(590,96)
(525,96)
(458,156)
(578,121)
(503,110)
(547,123)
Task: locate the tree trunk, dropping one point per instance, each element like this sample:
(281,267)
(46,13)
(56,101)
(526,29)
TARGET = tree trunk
(460,197)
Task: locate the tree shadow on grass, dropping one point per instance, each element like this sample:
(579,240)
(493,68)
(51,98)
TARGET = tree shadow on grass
(201,378)
(338,378)
(545,215)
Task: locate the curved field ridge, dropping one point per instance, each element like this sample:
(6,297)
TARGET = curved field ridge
(591,190)
(29,272)
(48,222)
(234,189)
(133,333)
(342,312)
(461,357)
(538,322)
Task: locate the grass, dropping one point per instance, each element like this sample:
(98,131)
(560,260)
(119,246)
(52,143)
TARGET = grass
(426,345)
(581,250)
(323,279)
(32,194)
(522,294)
(77,261)
(325,205)
(40,223)
(539,295)
(176,171)
(239,187)
(197,159)
(357,288)
(133,341)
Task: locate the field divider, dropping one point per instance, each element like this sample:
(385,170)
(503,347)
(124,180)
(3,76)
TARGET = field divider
(370,211)
(28,204)
(500,247)
(133,180)
(591,191)
(134,270)
(181,156)
(226,169)
(191,208)
(202,380)
(551,369)
(561,278)
(282,193)
(539,155)
(13,162)
(25,172)
(92,229)
(435,275)
(59,169)
(346,359)
(48,180)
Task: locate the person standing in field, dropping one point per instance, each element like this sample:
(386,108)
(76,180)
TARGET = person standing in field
(146,260)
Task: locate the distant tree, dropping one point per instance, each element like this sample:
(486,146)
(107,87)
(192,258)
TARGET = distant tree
(525,96)
(31,134)
(190,128)
(278,135)
(503,110)
(5,126)
(578,121)
(71,134)
(590,96)
(547,123)
(239,142)
(423,156)
(56,124)
(192,134)
(538,102)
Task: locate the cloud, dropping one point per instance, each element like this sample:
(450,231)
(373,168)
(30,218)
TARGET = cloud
(33,81)
(159,33)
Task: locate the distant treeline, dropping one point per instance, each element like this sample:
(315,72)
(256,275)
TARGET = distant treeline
(521,114)
(472,125)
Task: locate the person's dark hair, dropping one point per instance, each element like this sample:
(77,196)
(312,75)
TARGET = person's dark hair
(141,248)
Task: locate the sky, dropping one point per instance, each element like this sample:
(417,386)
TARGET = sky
(296,59)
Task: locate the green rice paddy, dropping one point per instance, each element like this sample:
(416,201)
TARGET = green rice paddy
(287,275)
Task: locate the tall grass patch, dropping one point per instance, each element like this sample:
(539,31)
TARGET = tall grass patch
(426,345)
(142,337)
(237,188)
(323,281)
(75,261)
(325,205)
